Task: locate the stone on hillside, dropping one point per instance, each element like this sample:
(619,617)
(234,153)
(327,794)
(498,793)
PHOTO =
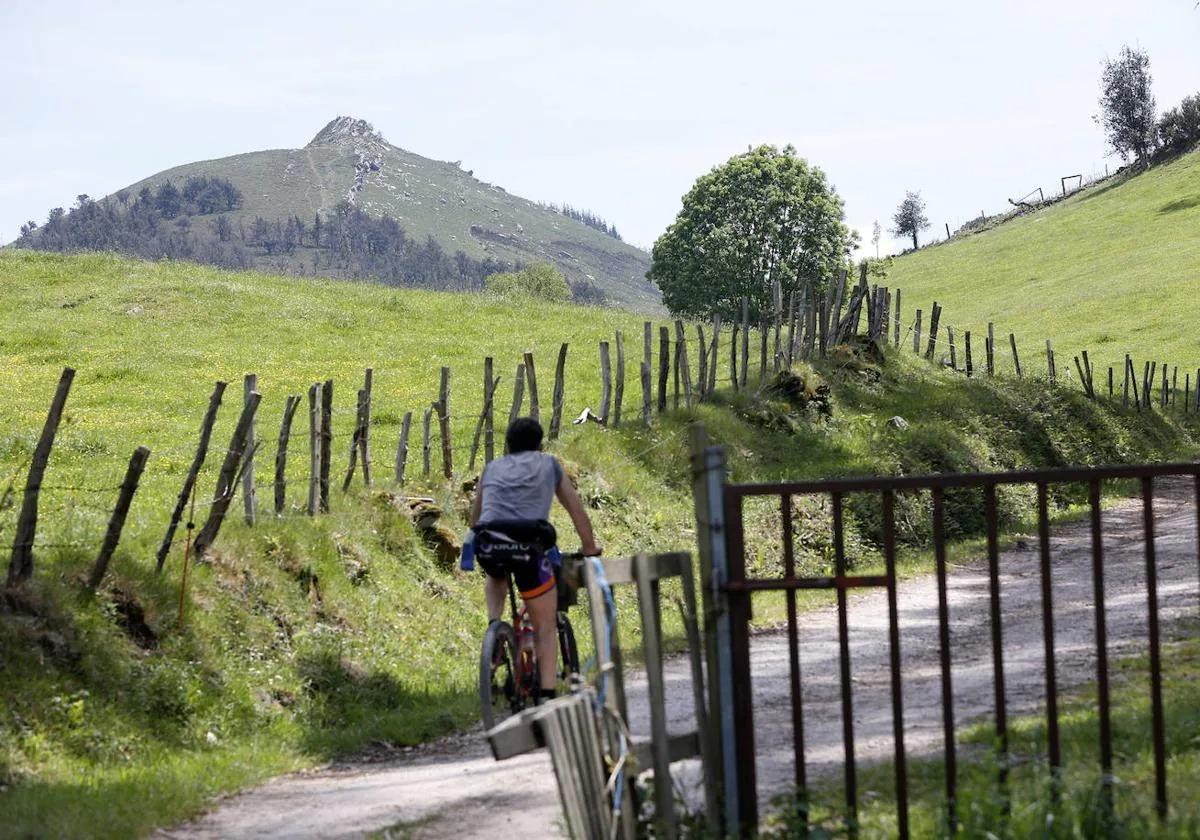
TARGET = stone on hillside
(898,422)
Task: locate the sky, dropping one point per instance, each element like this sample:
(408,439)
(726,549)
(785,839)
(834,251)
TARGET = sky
(615,107)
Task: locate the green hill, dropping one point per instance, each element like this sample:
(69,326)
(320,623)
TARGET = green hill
(349,160)
(305,638)
(1114,269)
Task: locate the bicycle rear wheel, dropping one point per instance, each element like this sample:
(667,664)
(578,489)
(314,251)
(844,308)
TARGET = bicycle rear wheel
(567,650)
(499,694)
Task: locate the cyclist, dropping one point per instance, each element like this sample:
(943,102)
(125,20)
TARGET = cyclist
(509,516)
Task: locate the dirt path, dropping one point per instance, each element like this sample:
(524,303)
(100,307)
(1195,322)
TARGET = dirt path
(454,787)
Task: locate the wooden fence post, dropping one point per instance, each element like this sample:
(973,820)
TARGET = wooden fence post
(684,370)
(425,437)
(790,356)
(116,522)
(514,411)
(775,357)
(646,403)
(1187,392)
(560,369)
(991,350)
(675,377)
(355,436)
(326,442)
(281,453)
(897,314)
(664,366)
(764,335)
(1087,369)
(249,494)
(1110,382)
(745,341)
(935,315)
(733,356)
(206,426)
(489,412)
(605,383)
(314,447)
(713,348)
(227,479)
(1050,361)
(619,389)
(1012,340)
(20,566)
(402,447)
(364,436)
(489,396)
(917,333)
(1174,385)
(535,408)
(443,411)
(1125,385)
(702,359)
(967,351)
(953,350)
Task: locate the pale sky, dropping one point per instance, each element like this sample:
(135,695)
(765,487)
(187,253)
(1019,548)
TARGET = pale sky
(615,107)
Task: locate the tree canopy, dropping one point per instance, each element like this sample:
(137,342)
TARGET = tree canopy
(762,216)
(1127,104)
(910,217)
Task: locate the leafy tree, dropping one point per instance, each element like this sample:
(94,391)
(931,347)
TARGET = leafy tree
(910,217)
(167,200)
(539,280)
(1179,128)
(762,216)
(1127,104)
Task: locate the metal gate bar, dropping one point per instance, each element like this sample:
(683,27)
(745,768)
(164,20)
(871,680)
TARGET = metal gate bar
(739,588)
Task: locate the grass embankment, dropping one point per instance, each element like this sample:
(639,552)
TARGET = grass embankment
(1111,270)
(304,639)
(1029,809)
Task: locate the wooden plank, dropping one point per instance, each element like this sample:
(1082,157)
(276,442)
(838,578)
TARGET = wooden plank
(402,447)
(20,565)
(227,479)
(116,522)
(206,427)
(249,494)
(281,453)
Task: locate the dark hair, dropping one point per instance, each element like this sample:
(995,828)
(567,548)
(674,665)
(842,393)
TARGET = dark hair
(524,435)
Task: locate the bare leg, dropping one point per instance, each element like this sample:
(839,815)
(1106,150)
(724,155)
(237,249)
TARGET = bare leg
(544,611)
(496,590)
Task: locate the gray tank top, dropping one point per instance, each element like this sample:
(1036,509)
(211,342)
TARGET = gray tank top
(519,486)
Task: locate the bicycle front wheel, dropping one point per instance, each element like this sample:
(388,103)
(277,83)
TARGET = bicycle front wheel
(498,691)
(567,649)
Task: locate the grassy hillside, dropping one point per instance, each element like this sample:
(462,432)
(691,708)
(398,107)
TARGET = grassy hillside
(428,198)
(303,639)
(1113,270)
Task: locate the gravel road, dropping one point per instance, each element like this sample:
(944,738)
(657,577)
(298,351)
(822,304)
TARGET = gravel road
(453,786)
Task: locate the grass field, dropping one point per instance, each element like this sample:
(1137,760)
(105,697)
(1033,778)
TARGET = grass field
(306,639)
(1111,270)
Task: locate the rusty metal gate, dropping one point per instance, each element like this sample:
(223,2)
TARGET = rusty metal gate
(731,590)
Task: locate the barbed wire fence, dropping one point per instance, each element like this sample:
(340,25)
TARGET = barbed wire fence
(743,356)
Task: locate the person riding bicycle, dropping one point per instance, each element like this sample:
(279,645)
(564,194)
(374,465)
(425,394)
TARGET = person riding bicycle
(509,516)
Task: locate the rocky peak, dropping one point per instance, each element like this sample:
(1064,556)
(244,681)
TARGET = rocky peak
(348,131)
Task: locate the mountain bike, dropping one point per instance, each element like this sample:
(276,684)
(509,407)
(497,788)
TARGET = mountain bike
(508,668)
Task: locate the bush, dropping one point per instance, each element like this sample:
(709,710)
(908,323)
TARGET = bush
(1179,128)
(540,280)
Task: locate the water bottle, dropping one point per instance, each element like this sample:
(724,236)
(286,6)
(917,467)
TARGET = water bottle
(466,557)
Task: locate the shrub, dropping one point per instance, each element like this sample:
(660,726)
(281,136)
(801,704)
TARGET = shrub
(1179,128)
(540,280)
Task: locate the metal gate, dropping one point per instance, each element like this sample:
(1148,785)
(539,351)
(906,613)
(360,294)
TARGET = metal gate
(720,509)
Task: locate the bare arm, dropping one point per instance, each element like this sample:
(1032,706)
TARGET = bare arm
(583,526)
(477,504)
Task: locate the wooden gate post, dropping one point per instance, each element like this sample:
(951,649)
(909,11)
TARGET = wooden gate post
(20,567)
